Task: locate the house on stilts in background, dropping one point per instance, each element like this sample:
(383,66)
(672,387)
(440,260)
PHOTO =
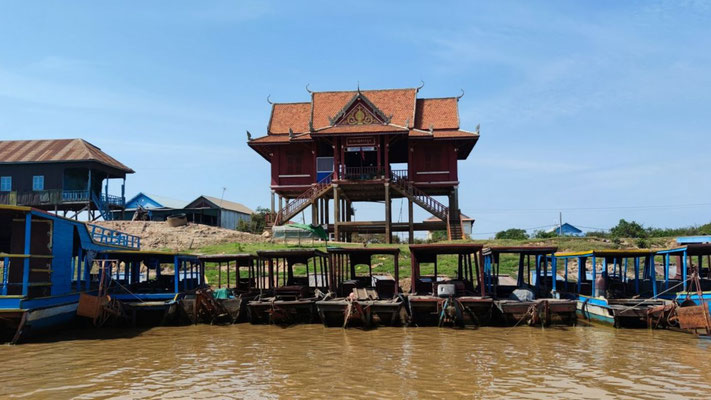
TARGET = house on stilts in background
(67,175)
(366,146)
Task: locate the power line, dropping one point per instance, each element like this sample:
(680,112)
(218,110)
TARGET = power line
(647,207)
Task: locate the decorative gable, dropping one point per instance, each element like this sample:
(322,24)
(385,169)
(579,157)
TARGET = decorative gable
(360,111)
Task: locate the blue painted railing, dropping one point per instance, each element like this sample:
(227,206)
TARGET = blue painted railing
(113,237)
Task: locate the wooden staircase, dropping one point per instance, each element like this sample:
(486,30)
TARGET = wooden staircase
(295,206)
(406,188)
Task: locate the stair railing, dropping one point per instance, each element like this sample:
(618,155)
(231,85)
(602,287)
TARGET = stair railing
(294,206)
(420,197)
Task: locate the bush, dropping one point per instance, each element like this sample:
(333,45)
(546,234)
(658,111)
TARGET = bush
(626,229)
(256,224)
(545,235)
(513,233)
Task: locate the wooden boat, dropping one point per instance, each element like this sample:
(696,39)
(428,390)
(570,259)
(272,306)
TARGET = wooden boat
(436,300)
(230,294)
(147,285)
(45,263)
(610,296)
(289,294)
(366,300)
(528,299)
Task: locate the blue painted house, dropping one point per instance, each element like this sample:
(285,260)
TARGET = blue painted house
(566,230)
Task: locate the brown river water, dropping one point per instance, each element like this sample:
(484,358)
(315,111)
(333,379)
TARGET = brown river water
(313,362)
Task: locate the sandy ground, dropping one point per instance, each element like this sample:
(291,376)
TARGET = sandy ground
(158,235)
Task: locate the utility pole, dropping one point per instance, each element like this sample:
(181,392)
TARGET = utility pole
(560,224)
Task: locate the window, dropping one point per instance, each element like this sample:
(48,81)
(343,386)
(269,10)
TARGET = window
(5,183)
(38,182)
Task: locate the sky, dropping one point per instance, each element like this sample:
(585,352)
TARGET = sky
(598,109)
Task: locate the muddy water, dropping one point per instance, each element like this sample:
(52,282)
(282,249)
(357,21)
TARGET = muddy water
(254,362)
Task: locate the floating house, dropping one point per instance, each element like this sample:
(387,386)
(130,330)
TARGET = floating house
(68,175)
(46,262)
(344,147)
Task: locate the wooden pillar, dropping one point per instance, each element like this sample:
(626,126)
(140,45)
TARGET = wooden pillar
(386,150)
(411,223)
(280,204)
(388,217)
(336,213)
(454,205)
(325,211)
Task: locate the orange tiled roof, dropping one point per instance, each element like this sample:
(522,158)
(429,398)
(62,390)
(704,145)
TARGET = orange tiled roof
(438,113)
(36,151)
(419,115)
(290,115)
(374,128)
(400,103)
(275,139)
(444,134)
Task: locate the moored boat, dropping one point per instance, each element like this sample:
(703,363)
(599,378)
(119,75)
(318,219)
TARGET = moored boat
(436,300)
(608,295)
(290,281)
(227,300)
(362,299)
(528,299)
(45,266)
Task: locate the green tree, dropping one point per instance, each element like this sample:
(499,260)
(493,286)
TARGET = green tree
(630,229)
(513,233)
(545,235)
(257,223)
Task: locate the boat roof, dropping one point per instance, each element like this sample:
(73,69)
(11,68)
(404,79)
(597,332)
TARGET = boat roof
(363,250)
(448,248)
(691,249)
(607,253)
(285,253)
(227,257)
(137,255)
(520,249)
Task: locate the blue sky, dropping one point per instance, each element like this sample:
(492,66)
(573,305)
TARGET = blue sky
(599,109)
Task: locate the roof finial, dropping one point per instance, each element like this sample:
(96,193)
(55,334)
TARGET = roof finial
(422,84)
(358,87)
(307,88)
(461,95)
(291,134)
(269,100)
(249,135)
(431,129)
(477,128)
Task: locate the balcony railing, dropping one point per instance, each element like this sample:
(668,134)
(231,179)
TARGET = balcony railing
(55,197)
(362,173)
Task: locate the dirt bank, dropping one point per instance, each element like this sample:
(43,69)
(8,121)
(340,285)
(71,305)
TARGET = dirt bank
(160,236)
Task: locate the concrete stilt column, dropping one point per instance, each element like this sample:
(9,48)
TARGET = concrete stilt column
(388,215)
(272,202)
(411,223)
(314,212)
(336,213)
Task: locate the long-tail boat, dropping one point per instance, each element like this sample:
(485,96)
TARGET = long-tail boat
(292,281)
(147,285)
(45,263)
(363,299)
(236,284)
(437,300)
(608,295)
(527,299)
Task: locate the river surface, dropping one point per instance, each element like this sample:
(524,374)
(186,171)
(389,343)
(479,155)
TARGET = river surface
(310,361)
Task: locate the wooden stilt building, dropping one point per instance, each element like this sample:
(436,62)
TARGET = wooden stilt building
(366,145)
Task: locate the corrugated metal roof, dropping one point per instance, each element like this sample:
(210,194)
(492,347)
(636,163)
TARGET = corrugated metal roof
(38,151)
(224,204)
